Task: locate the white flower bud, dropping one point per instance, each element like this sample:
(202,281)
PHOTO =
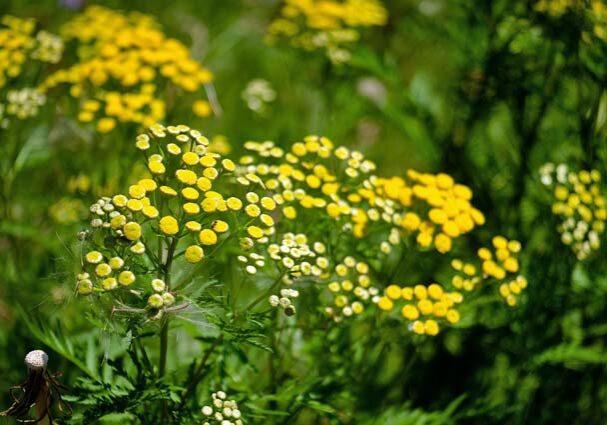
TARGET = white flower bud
(36,360)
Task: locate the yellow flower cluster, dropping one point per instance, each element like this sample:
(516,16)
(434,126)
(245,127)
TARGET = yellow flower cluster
(500,264)
(351,288)
(314,174)
(193,200)
(439,209)
(68,211)
(330,25)
(424,307)
(599,16)
(595,10)
(580,203)
(302,179)
(125,63)
(555,7)
(16,42)
(79,183)
(18,46)
(109,272)
(161,296)
(179,202)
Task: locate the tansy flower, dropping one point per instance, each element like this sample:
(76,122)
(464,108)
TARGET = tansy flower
(169,225)
(125,63)
(194,254)
(499,264)
(329,24)
(580,205)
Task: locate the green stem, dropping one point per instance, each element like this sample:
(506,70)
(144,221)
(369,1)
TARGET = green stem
(200,370)
(164,332)
(164,346)
(265,294)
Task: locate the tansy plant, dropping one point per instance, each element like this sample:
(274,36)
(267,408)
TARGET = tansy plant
(579,204)
(24,57)
(331,25)
(196,208)
(127,69)
(153,252)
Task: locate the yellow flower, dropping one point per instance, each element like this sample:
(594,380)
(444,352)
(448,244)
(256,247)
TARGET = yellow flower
(204,184)
(105,125)
(252,210)
(169,225)
(193,226)
(134,204)
(190,158)
(156,167)
(442,243)
(435,291)
(418,327)
(425,306)
(385,304)
(409,312)
(93,257)
(148,184)
(228,165)
(254,232)
(207,161)
(103,270)
(150,211)
(85,287)
(393,292)
(109,283)
(289,212)
(194,254)
(202,108)
(126,278)
(120,200)
(190,193)
(420,292)
(431,327)
(511,264)
(186,176)
(411,221)
(168,191)
(407,294)
(132,231)
(453,316)
(155,301)
(207,237)
(220,226)
(116,263)
(191,208)
(424,239)
(137,191)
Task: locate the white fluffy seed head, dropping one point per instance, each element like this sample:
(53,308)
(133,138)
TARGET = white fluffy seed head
(36,360)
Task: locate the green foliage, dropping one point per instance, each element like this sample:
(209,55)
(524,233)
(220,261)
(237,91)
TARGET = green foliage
(487,91)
